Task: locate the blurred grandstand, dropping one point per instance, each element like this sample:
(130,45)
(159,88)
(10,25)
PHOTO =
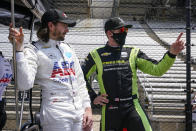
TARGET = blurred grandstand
(156,24)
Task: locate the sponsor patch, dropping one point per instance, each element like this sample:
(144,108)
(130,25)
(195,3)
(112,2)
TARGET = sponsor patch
(105,54)
(123,54)
(112,107)
(63,69)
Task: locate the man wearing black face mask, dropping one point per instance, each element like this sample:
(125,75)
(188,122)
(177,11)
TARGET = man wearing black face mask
(116,66)
(118,30)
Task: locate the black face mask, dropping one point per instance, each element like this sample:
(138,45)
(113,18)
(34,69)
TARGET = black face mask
(120,38)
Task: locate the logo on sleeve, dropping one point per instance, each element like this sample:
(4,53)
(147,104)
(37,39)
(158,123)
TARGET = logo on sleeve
(68,54)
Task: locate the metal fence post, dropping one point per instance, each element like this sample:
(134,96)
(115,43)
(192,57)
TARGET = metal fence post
(188,68)
(15,67)
(115,8)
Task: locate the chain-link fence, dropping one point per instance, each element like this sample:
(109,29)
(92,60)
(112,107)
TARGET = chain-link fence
(156,25)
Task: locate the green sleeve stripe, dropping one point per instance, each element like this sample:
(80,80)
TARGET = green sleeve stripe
(150,68)
(142,115)
(103,118)
(93,69)
(132,59)
(155,69)
(99,65)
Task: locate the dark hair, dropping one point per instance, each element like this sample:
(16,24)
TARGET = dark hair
(43,33)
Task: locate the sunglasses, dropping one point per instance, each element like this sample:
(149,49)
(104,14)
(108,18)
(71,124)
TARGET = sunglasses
(123,29)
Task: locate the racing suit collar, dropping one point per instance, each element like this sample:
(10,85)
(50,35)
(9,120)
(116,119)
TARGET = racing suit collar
(51,44)
(110,48)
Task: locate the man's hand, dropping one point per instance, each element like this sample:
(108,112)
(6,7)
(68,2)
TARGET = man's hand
(87,119)
(101,100)
(17,36)
(194,107)
(177,46)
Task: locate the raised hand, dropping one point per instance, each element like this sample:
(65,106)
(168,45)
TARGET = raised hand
(177,46)
(17,36)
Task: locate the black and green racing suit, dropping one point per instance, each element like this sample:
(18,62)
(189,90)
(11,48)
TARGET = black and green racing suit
(116,69)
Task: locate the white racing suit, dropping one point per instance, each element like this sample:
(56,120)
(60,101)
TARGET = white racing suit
(5,74)
(5,78)
(55,67)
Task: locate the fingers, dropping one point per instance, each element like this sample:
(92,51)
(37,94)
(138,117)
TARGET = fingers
(180,35)
(103,103)
(181,44)
(11,25)
(13,31)
(84,120)
(177,47)
(104,95)
(194,107)
(21,32)
(88,126)
(89,122)
(101,100)
(15,34)
(104,100)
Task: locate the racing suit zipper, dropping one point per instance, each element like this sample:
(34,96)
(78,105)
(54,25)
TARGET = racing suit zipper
(69,73)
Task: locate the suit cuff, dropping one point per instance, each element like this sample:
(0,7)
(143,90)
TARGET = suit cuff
(171,55)
(19,56)
(86,104)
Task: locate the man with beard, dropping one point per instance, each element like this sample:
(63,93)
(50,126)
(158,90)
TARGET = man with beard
(54,66)
(116,65)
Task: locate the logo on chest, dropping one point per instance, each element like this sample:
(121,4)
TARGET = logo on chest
(63,69)
(51,56)
(105,54)
(124,54)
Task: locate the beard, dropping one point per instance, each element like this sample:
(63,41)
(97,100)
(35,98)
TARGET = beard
(59,36)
